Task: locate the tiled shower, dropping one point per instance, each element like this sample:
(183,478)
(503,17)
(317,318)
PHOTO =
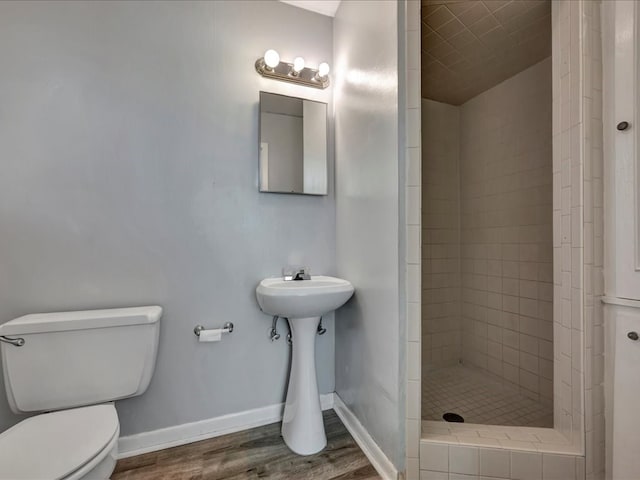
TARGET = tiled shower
(487,243)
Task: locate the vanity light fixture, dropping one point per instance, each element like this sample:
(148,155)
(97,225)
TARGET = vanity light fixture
(270,66)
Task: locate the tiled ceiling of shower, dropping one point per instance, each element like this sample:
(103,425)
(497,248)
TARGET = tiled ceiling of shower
(469,46)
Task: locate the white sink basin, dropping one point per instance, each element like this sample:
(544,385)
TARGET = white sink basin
(303,302)
(302,298)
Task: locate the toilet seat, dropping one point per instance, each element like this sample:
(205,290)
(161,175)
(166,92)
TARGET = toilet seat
(58,445)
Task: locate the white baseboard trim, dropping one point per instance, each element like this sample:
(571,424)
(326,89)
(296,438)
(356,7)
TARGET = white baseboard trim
(160,439)
(367,444)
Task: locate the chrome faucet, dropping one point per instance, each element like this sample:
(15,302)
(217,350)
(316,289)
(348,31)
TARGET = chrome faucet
(296,273)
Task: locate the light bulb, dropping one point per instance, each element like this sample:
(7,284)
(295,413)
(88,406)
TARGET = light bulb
(323,69)
(271,58)
(298,64)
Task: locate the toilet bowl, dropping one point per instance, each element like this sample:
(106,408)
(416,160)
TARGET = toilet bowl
(72,365)
(79,443)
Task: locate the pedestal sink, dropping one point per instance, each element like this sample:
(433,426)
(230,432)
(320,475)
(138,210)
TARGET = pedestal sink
(303,302)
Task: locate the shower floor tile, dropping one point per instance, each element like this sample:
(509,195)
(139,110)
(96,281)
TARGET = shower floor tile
(479,398)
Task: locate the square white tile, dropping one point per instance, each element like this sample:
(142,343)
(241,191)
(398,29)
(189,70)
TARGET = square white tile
(464,460)
(526,466)
(434,457)
(558,467)
(495,463)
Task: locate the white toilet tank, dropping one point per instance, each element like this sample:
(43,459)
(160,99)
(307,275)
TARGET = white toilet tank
(71,359)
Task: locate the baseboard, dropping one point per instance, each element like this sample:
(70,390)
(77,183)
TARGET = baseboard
(154,440)
(367,444)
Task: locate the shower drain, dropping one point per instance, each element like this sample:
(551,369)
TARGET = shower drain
(453,417)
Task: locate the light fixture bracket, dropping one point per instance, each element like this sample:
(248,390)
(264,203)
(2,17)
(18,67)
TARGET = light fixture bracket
(284,72)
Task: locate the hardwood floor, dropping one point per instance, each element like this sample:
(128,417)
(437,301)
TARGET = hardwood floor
(256,453)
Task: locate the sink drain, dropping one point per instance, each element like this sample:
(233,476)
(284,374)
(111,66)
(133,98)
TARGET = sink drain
(453,417)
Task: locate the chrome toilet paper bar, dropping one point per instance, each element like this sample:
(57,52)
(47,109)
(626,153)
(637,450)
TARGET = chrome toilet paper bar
(228,328)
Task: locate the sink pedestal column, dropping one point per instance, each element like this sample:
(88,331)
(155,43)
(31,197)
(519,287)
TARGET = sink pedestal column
(302,425)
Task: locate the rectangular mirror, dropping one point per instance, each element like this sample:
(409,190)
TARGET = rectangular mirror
(293,145)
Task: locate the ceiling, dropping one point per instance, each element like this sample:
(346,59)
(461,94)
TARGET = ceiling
(325,7)
(469,46)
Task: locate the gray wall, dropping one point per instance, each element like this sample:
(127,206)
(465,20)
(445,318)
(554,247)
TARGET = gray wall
(128,176)
(367,217)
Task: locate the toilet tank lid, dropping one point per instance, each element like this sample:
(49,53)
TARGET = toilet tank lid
(81,320)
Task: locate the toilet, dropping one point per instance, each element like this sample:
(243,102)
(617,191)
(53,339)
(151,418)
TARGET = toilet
(72,365)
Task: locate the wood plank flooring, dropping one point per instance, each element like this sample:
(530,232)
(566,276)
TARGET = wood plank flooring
(251,454)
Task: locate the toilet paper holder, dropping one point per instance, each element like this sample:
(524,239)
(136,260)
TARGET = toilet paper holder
(228,328)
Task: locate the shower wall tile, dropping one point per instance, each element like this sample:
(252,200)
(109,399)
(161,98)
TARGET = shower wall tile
(413,189)
(506,235)
(568,214)
(593,465)
(577,128)
(441,327)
